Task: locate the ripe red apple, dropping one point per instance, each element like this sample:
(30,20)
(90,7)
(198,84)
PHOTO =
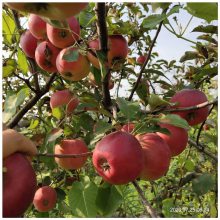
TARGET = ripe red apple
(72,70)
(19,185)
(64,97)
(62,38)
(118,50)
(157,156)
(129,127)
(177,140)
(45,199)
(54,11)
(45,56)
(118,158)
(28,44)
(188,98)
(206,127)
(75,146)
(37,27)
(141,59)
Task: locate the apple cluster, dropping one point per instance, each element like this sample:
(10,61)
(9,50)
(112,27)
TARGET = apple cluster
(119,157)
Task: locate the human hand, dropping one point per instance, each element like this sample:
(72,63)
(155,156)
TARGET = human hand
(16,142)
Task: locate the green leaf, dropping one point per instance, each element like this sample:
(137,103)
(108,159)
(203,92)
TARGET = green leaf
(143,91)
(203,184)
(175,120)
(34,123)
(155,101)
(81,199)
(9,107)
(108,199)
(209,29)
(71,55)
(21,95)
(97,75)
(56,23)
(22,62)
(207,11)
(189,55)
(153,20)
(167,205)
(8,70)
(86,18)
(12,102)
(142,128)
(157,5)
(129,109)
(102,127)
(101,58)
(189,165)
(208,38)
(57,113)
(8,28)
(86,122)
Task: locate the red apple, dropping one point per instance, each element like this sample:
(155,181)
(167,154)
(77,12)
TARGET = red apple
(19,185)
(75,146)
(206,127)
(129,127)
(141,59)
(64,97)
(157,156)
(45,199)
(188,98)
(45,56)
(54,11)
(72,70)
(118,50)
(62,38)
(177,140)
(37,27)
(118,158)
(28,44)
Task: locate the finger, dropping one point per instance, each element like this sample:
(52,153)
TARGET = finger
(14,141)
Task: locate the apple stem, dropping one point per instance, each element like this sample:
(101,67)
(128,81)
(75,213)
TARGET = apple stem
(65,155)
(144,201)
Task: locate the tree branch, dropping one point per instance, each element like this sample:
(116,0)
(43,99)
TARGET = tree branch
(202,148)
(202,105)
(26,81)
(146,204)
(31,103)
(147,59)
(103,41)
(65,155)
(201,126)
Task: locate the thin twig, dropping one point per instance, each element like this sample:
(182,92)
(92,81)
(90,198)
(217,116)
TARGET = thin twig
(146,204)
(26,81)
(202,105)
(31,103)
(147,60)
(65,155)
(202,148)
(201,126)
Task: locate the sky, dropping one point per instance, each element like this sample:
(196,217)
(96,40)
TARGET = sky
(169,46)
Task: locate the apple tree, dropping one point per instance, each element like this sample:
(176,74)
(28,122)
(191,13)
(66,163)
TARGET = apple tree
(121,131)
